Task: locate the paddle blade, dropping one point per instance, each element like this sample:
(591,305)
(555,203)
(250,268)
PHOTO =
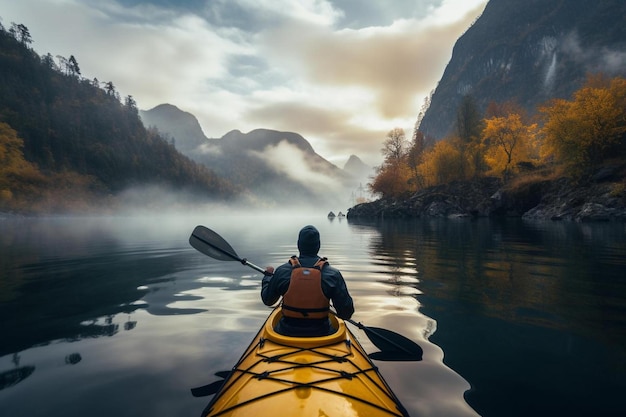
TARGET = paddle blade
(206,241)
(208,389)
(222,374)
(392,345)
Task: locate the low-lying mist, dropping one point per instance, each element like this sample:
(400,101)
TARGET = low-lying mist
(164,201)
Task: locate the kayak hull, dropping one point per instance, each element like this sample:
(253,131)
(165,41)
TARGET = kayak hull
(306,377)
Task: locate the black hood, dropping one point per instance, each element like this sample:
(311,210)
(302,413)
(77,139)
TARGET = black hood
(309,241)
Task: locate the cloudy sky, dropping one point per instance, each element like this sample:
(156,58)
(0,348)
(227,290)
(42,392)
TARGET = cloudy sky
(342,73)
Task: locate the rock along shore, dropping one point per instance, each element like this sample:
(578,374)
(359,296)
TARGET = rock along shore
(600,200)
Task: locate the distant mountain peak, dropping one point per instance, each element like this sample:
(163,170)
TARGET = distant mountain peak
(357,168)
(183,127)
(259,139)
(270,164)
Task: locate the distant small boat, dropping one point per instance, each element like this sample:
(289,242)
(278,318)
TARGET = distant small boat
(341,215)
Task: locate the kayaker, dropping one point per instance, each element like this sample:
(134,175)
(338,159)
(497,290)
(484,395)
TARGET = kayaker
(305,304)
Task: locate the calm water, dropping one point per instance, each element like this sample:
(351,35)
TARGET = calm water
(120,316)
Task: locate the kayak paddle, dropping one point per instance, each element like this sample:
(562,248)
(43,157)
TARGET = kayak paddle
(393,346)
(211,388)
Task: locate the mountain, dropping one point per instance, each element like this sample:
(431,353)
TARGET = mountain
(363,173)
(358,168)
(67,143)
(278,167)
(185,125)
(528,51)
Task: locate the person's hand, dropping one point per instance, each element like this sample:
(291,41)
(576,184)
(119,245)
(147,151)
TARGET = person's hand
(269,271)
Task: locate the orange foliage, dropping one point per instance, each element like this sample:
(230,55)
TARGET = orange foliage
(584,131)
(442,164)
(507,142)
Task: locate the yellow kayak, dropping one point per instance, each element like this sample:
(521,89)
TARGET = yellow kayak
(306,377)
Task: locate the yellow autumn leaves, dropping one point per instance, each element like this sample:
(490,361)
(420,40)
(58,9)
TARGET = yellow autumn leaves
(577,135)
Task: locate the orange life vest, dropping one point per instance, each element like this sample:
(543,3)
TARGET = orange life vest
(304,298)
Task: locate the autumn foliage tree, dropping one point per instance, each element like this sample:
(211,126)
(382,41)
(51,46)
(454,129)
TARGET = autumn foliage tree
(16,174)
(507,142)
(394,174)
(582,132)
(442,163)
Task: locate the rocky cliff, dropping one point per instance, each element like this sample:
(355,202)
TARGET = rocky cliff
(529,51)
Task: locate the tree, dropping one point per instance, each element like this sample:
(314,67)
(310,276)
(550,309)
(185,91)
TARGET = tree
(390,181)
(73,67)
(469,125)
(393,175)
(420,116)
(131,104)
(414,159)
(109,88)
(21,33)
(507,141)
(64,64)
(15,172)
(394,147)
(48,62)
(468,120)
(586,130)
(442,164)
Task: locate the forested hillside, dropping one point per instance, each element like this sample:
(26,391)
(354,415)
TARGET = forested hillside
(68,143)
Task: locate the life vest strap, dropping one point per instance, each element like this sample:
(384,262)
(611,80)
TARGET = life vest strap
(305,311)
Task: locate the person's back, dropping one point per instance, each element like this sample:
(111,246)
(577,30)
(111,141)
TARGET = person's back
(308,284)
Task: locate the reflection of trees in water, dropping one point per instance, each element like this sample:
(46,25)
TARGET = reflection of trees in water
(555,275)
(93,328)
(522,310)
(129,324)
(73,358)
(15,376)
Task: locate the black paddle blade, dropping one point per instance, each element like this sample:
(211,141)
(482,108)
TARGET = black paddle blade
(393,346)
(222,374)
(211,244)
(211,388)
(208,389)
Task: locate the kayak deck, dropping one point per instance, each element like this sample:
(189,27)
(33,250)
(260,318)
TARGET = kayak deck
(314,376)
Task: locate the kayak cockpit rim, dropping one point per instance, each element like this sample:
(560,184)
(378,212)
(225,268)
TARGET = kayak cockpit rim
(339,335)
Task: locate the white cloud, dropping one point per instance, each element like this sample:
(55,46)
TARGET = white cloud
(274,64)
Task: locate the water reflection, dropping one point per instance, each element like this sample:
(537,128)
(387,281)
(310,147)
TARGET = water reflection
(16,375)
(73,358)
(60,276)
(529,314)
(521,314)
